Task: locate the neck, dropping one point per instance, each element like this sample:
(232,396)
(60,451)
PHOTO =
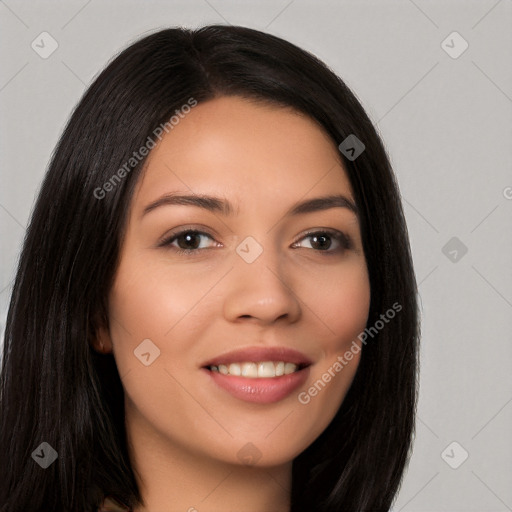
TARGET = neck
(171,478)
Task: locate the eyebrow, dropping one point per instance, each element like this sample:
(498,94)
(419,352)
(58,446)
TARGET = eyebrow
(224,207)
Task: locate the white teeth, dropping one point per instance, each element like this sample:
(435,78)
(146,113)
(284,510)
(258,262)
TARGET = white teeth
(267,369)
(249,370)
(289,368)
(234,369)
(263,369)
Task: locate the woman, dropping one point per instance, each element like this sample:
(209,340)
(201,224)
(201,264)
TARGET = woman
(215,305)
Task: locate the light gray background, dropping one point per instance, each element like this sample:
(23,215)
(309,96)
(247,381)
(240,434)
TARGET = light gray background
(447,125)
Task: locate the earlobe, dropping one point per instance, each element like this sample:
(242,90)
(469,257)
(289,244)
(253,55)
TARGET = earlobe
(101,341)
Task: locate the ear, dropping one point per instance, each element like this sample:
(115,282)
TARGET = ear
(101,341)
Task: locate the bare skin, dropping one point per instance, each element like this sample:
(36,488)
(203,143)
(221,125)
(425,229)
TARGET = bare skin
(185,432)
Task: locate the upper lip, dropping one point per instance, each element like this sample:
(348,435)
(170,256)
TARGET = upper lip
(260,354)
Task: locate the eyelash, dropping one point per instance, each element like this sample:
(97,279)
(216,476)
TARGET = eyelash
(344,241)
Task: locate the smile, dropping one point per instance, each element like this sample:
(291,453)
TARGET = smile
(264,369)
(258,374)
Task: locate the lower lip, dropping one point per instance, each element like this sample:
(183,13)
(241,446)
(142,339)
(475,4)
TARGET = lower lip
(260,390)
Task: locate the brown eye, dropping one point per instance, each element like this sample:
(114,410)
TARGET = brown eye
(323,241)
(187,241)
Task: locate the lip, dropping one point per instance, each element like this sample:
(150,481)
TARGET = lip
(258,354)
(260,390)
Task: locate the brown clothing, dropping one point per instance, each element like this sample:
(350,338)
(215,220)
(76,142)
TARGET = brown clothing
(110,504)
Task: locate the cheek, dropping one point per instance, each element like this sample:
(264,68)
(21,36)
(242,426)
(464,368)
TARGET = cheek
(342,304)
(341,301)
(151,300)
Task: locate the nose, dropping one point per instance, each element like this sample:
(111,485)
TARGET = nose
(261,291)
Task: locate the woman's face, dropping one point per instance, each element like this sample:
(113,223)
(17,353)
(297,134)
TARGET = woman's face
(265,281)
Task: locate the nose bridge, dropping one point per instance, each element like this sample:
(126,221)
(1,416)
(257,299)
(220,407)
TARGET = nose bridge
(259,285)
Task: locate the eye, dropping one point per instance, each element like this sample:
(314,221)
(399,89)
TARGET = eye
(322,241)
(188,241)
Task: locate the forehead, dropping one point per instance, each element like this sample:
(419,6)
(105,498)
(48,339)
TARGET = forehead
(240,149)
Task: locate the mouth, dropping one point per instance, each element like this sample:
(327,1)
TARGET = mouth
(259,375)
(259,370)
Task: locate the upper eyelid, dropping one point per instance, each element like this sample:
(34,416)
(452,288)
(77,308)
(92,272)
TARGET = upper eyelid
(343,237)
(185,229)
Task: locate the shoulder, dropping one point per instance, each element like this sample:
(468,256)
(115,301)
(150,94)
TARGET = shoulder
(110,504)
